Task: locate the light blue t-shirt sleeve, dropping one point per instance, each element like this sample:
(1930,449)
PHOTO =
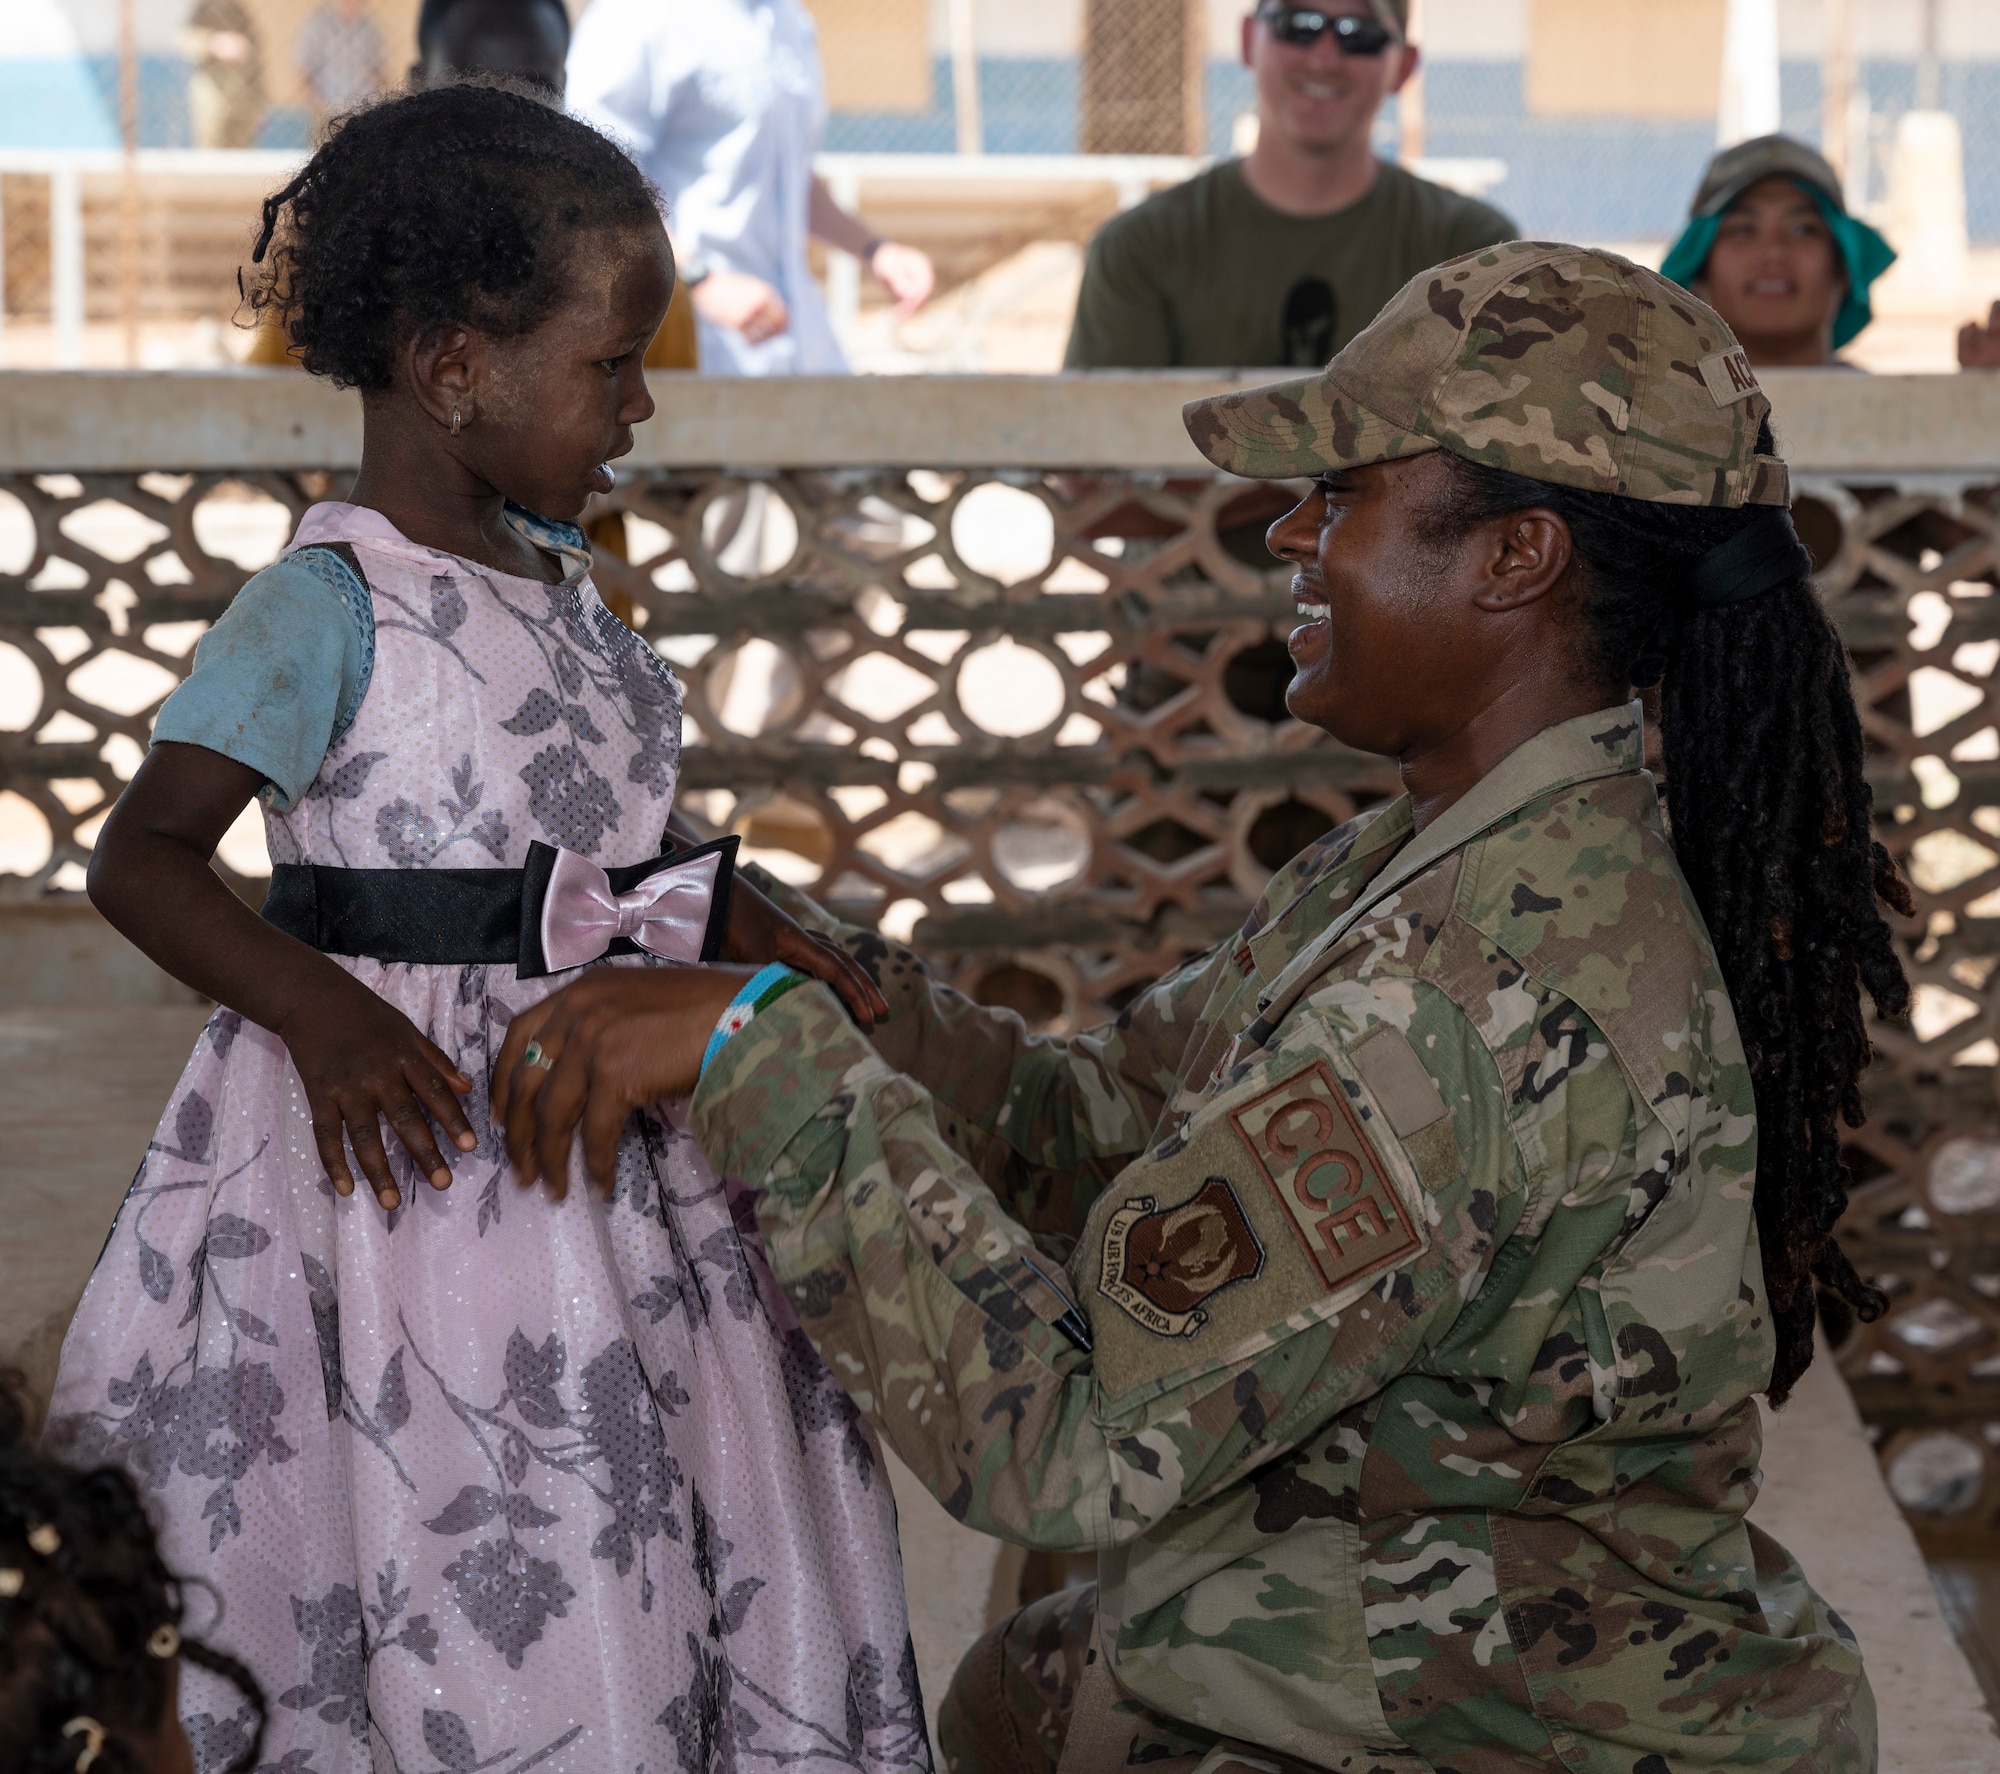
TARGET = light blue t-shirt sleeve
(280,675)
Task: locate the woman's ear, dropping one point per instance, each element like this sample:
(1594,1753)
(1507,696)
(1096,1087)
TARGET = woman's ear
(1527,555)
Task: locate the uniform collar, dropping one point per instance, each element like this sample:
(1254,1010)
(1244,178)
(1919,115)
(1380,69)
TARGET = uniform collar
(1610,742)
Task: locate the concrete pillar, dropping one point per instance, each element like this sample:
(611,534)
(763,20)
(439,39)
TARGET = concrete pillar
(1926,219)
(1749,104)
(66,265)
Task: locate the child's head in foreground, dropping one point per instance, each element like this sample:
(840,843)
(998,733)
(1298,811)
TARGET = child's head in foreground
(90,1642)
(488,273)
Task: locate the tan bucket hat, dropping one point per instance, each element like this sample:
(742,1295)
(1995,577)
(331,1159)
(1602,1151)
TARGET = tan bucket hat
(1556,362)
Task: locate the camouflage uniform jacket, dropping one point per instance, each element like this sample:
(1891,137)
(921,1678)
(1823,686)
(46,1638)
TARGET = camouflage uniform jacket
(1386,1310)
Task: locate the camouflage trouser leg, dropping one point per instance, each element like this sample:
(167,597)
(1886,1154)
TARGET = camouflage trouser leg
(1010,1707)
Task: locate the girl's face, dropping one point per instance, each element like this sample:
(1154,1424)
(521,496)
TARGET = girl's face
(548,412)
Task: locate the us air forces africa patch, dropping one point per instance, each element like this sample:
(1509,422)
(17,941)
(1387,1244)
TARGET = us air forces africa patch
(1160,1263)
(1310,1146)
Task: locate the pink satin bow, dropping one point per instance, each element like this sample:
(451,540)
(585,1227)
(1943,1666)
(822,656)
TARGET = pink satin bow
(666,914)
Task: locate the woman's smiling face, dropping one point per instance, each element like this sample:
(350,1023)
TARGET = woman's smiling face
(1775,274)
(1378,630)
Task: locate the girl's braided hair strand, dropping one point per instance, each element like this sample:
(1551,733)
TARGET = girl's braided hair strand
(73,1636)
(462,204)
(1772,821)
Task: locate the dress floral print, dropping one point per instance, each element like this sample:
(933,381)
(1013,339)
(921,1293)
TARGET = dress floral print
(488,1481)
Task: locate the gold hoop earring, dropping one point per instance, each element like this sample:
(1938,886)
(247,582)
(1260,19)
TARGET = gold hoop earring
(455,421)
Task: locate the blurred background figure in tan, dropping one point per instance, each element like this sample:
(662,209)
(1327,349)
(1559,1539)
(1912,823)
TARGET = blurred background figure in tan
(339,57)
(225,89)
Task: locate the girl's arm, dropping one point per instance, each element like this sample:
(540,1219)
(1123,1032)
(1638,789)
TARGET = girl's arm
(359,1058)
(759,932)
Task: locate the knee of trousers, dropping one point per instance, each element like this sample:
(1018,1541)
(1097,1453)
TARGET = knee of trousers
(1008,1708)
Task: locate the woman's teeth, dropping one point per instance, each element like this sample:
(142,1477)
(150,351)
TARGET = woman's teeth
(1315,612)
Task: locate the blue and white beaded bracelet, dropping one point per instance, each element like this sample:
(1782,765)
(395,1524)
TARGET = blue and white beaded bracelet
(762,989)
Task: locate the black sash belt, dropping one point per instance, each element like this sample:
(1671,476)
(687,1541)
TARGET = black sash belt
(459,917)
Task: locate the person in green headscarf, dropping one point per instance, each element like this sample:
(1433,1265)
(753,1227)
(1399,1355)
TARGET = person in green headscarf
(1770,246)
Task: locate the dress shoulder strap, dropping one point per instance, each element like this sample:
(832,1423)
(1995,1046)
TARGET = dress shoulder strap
(336,566)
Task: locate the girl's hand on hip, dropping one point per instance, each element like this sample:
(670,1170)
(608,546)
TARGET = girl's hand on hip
(620,1038)
(759,933)
(363,1061)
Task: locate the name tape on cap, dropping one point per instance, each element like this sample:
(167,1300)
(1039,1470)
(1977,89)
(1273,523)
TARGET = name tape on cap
(1729,376)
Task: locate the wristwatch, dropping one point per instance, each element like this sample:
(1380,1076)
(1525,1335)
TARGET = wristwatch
(695,270)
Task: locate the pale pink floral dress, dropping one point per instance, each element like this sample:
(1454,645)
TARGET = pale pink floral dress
(487,1482)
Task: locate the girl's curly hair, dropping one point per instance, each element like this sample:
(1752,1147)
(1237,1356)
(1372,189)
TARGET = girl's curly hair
(90,1620)
(460,204)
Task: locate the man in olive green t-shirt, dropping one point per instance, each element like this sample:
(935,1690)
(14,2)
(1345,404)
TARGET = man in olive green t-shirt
(1283,256)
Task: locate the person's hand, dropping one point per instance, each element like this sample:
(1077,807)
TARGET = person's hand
(1979,346)
(758,933)
(906,274)
(620,1038)
(362,1060)
(745,304)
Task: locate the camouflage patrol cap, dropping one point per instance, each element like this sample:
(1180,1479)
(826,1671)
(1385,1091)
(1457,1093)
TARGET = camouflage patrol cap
(1735,170)
(1556,362)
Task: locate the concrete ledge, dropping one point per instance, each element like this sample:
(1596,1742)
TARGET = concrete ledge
(61,951)
(1824,1500)
(1829,421)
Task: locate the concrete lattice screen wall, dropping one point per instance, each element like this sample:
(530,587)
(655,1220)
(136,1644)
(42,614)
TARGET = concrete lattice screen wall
(998,666)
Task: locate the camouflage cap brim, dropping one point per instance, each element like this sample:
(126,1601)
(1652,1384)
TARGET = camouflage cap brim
(1296,429)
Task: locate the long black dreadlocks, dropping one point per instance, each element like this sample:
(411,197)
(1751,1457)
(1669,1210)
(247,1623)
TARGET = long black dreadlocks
(90,1623)
(1772,823)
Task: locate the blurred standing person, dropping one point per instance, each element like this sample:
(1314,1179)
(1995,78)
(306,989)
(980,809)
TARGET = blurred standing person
(1769,245)
(225,92)
(527,39)
(1331,231)
(339,57)
(722,103)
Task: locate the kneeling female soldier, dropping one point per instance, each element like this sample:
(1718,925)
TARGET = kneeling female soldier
(1385,1294)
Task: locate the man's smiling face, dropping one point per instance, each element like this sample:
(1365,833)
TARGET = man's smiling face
(1316,97)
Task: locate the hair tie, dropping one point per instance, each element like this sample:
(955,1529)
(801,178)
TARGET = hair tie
(93,1735)
(1765,555)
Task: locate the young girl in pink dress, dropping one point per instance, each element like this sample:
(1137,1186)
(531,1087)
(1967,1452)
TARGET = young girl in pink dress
(479,1479)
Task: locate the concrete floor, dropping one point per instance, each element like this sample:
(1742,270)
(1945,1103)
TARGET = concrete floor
(85,1086)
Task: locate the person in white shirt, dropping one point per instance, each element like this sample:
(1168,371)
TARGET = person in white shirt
(722,103)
